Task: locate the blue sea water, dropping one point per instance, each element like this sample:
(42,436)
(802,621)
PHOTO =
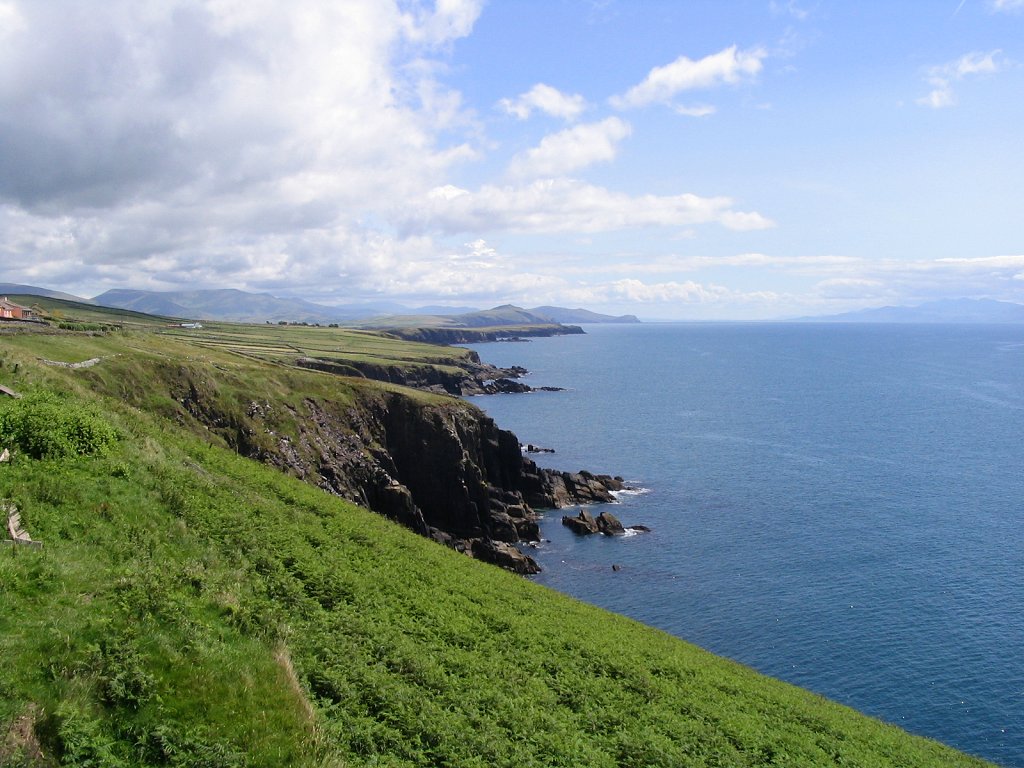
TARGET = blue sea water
(839,506)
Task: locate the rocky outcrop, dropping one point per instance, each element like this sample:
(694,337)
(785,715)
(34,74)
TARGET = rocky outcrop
(445,470)
(475,378)
(551,489)
(583,523)
(439,466)
(506,556)
(586,524)
(609,524)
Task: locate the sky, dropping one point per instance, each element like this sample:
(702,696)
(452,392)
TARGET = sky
(696,160)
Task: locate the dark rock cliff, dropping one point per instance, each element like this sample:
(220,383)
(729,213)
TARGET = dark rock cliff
(443,469)
(475,379)
(437,465)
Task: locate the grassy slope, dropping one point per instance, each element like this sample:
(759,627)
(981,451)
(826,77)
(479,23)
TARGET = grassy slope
(267,342)
(194,608)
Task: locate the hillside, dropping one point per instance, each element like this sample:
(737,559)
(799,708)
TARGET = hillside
(578,315)
(194,607)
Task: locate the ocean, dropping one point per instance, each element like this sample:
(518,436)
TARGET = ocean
(838,506)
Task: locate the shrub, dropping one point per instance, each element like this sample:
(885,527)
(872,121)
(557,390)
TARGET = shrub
(43,425)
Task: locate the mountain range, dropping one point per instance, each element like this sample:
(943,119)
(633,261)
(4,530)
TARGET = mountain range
(242,306)
(939,311)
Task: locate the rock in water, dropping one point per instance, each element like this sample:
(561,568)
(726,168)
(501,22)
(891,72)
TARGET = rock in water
(609,524)
(583,524)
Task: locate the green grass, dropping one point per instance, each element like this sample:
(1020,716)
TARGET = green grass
(283,344)
(191,607)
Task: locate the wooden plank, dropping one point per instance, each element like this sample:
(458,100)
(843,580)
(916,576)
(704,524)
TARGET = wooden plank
(22,543)
(9,392)
(18,534)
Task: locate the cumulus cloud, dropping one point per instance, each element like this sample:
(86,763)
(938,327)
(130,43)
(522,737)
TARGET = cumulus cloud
(942,78)
(727,67)
(568,205)
(109,103)
(544,98)
(181,142)
(572,149)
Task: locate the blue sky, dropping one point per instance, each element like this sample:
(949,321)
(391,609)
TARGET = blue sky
(700,160)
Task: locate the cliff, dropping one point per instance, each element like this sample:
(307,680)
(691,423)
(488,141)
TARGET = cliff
(436,464)
(474,378)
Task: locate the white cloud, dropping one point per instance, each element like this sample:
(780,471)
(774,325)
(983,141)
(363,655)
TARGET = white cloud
(727,67)
(447,21)
(666,297)
(696,110)
(743,261)
(1006,5)
(545,99)
(567,205)
(571,149)
(938,98)
(943,77)
(108,103)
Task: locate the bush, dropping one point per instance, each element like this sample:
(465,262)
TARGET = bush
(43,425)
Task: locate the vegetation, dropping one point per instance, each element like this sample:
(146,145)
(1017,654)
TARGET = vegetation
(283,344)
(45,425)
(193,608)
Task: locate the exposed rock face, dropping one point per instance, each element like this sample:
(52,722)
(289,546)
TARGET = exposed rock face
(555,490)
(505,555)
(438,466)
(445,470)
(475,379)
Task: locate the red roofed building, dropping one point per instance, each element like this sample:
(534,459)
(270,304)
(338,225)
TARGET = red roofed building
(11,311)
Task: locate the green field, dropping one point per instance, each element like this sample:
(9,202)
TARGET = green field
(273,343)
(191,607)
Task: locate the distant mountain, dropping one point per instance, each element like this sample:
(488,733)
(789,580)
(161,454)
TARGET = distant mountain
(150,302)
(228,304)
(940,311)
(563,315)
(10,289)
(242,306)
(507,314)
